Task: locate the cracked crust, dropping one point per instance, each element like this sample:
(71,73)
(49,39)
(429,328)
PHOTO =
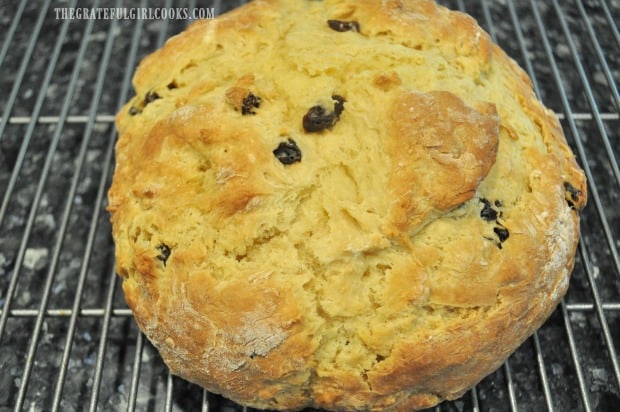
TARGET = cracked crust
(415,243)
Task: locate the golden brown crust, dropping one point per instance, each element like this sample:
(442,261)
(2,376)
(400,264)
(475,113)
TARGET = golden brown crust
(383,252)
(441,149)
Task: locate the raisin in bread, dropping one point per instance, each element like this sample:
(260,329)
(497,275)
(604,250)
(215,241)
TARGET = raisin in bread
(349,205)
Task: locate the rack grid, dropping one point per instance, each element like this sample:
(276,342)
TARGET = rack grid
(68,341)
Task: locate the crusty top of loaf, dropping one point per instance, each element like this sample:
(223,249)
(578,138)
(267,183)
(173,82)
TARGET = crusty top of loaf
(388,254)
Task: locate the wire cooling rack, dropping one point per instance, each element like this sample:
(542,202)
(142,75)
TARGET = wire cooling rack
(68,341)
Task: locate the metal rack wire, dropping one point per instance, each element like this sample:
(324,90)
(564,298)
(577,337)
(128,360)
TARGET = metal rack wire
(68,341)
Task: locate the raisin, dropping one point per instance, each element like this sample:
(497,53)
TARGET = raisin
(318,119)
(172,85)
(288,152)
(133,110)
(502,233)
(343,26)
(151,97)
(491,215)
(573,194)
(488,213)
(164,253)
(339,105)
(249,103)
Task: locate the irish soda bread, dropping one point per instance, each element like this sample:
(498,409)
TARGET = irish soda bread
(349,205)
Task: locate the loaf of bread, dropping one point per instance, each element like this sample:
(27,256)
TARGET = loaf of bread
(340,204)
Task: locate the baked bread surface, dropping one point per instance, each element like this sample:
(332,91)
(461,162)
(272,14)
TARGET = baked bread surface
(349,205)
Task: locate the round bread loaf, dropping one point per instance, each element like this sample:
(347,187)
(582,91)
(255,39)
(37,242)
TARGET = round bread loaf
(349,205)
